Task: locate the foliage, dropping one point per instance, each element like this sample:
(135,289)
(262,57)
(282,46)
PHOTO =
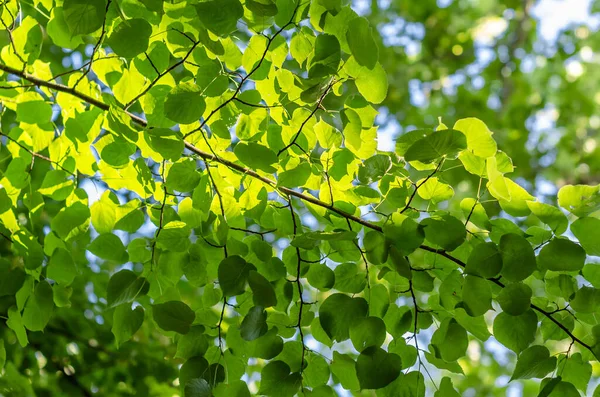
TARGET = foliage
(201,209)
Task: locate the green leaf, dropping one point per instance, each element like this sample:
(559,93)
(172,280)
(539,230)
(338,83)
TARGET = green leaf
(263,292)
(344,368)
(562,254)
(192,344)
(561,389)
(515,299)
(576,371)
(372,84)
(434,190)
(406,235)
(256,156)
(479,137)
(169,144)
(320,276)
(445,231)
(61,267)
(109,247)
(174,236)
(104,213)
(580,200)
(361,43)
(376,368)
(233,274)
(337,314)
(39,307)
(84,16)
(550,215)
(56,185)
(450,340)
(374,168)
(262,8)
(126,322)
(586,300)
(276,380)
(534,362)
(446,389)
(125,286)
(173,316)
(518,257)
(185,104)
(476,326)
(197,387)
(220,16)
(130,38)
(349,278)
(15,322)
(183,176)
(11,278)
(445,143)
(477,295)
(326,58)
(587,231)
(367,332)
(254,324)
(519,199)
(399,263)
(411,384)
(485,260)
(516,332)
(232,388)
(295,177)
(548,385)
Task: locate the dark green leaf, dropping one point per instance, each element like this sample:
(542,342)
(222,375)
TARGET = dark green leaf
(84,16)
(124,287)
(445,143)
(184,104)
(263,292)
(562,254)
(130,38)
(516,332)
(276,380)
(485,260)
(361,42)
(534,362)
(518,257)
(254,324)
(233,274)
(515,299)
(126,322)
(376,368)
(173,316)
(256,156)
(220,16)
(337,314)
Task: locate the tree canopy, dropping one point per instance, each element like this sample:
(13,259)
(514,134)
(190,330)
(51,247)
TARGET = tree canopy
(196,200)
